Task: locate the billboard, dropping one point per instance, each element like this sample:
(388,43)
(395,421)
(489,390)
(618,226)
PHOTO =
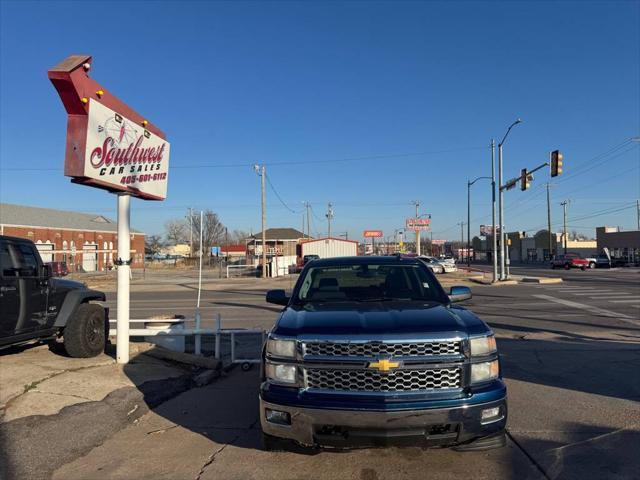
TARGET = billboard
(488,230)
(372,234)
(437,242)
(124,156)
(418,224)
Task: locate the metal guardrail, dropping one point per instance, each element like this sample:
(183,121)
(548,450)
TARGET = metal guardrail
(197,332)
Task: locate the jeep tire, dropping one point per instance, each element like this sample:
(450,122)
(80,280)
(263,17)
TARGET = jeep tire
(85,331)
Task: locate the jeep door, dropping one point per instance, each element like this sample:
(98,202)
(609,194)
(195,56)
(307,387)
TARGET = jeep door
(24,294)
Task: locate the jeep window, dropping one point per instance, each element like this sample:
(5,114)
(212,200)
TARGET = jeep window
(18,260)
(368,282)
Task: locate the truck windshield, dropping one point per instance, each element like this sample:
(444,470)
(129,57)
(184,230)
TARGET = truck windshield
(369,282)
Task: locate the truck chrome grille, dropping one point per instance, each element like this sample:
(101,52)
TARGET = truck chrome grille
(394,381)
(374,349)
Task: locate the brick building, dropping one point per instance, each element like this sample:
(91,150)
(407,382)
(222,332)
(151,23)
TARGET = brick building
(86,242)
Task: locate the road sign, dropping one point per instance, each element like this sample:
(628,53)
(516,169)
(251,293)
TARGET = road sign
(418,224)
(372,234)
(438,242)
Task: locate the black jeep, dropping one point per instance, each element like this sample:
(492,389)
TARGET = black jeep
(35,306)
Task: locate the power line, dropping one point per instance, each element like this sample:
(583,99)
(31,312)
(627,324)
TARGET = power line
(279,197)
(292,162)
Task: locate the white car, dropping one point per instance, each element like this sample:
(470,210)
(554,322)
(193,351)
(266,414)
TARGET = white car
(438,266)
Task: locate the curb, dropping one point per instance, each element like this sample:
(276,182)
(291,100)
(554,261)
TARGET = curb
(541,280)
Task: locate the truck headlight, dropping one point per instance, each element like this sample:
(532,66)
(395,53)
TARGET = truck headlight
(281,348)
(482,345)
(485,371)
(281,373)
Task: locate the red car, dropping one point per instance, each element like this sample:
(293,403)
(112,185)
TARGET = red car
(570,260)
(59,269)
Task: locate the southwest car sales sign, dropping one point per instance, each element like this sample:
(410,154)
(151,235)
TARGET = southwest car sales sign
(109,145)
(123,155)
(372,234)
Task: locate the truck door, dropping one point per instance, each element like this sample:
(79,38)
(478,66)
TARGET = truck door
(24,295)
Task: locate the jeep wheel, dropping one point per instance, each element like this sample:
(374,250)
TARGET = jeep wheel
(85,332)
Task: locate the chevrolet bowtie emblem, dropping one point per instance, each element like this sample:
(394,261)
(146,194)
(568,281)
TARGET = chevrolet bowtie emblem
(384,365)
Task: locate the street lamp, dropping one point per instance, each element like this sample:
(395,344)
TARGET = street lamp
(469,217)
(504,272)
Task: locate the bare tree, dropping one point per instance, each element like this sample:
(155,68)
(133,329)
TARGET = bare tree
(152,244)
(176,231)
(238,237)
(212,234)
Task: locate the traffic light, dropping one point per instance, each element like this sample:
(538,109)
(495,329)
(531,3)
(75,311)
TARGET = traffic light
(556,163)
(525,179)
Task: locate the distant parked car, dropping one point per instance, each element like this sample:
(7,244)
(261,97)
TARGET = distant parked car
(434,265)
(59,269)
(570,260)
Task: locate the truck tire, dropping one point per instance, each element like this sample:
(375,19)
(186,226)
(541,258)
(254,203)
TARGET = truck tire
(85,331)
(592,264)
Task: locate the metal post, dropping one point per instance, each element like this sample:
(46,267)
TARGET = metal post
(549,221)
(264,222)
(494,252)
(638,212)
(198,338)
(190,232)
(462,240)
(501,219)
(468,224)
(329,217)
(564,234)
(417,231)
(124,270)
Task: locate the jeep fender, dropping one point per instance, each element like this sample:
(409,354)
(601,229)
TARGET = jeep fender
(71,302)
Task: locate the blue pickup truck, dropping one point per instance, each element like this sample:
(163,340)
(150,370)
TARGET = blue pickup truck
(371,351)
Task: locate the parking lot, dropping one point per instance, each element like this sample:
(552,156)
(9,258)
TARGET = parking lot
(570,351)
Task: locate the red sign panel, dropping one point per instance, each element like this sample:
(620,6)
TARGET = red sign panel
(372,234)
(417,224)
(109,145)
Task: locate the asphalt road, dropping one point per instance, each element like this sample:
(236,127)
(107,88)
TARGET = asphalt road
(571,356)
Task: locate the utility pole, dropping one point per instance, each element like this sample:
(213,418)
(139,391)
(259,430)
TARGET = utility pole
(261,170)
(638,212)
(564,235)
(549,221)
(307,206)
(417,205)
(494,251)
(190,232)
(329,216)
(462,240)
(468,224)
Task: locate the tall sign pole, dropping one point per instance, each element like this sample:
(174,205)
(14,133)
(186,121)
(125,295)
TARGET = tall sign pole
(112,147)
(264,223)
(124,271)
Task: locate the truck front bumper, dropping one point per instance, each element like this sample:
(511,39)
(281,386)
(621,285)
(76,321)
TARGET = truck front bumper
(362,428)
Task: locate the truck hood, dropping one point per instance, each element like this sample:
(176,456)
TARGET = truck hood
(379,320)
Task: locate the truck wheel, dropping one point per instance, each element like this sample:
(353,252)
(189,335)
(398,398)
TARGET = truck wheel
(85,331)
(592,265)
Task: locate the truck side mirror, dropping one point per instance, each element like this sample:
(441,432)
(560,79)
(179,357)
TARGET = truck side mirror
(278,297)
(459,294)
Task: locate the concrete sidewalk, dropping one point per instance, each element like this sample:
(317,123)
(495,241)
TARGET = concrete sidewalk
(54,408)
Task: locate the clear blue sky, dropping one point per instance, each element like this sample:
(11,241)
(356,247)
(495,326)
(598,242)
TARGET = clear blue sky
(248,82)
